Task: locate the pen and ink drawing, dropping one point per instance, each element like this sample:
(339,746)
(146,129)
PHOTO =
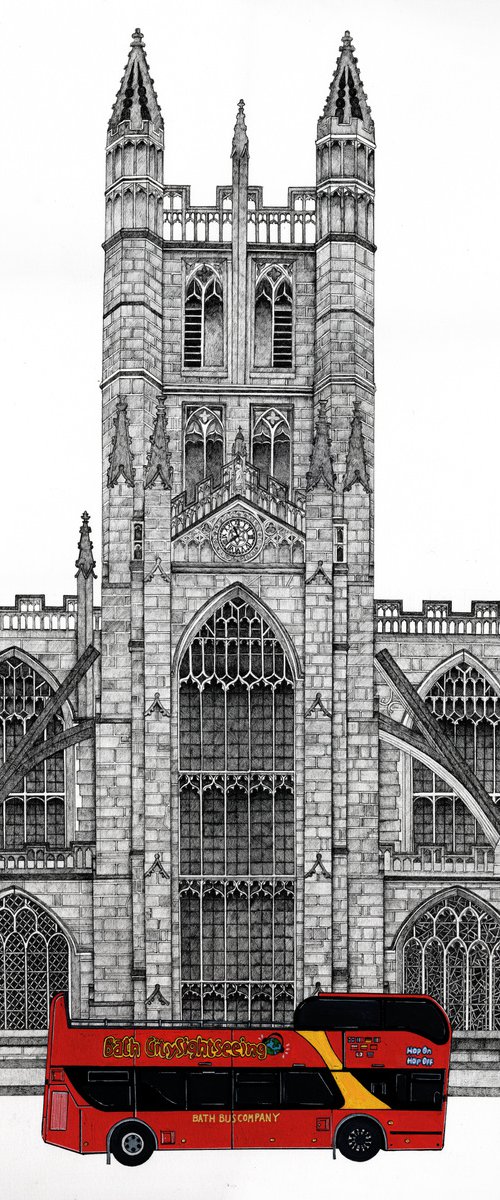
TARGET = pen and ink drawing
(239,774)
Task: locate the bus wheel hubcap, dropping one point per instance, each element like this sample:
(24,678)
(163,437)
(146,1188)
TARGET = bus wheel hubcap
(360,1140)
(133,1143)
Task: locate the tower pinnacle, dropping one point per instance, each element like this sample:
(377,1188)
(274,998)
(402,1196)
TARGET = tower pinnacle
(240,136)
(136,99)
(346,100)
(85,562)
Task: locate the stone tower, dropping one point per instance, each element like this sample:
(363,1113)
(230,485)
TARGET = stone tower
(236,750)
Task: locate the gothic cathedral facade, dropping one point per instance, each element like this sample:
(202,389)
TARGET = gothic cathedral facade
(265,780)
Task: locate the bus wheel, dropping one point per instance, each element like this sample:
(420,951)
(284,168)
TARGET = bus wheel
(131,1143)
(359,1139)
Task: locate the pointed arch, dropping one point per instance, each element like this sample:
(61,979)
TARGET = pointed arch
(464,696)
(246,593)
(236,688)
(35,811)
(449,947)
(35,960)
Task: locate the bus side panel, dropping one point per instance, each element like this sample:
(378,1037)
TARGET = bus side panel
(96,1125)
(413,1130)
(282,1128)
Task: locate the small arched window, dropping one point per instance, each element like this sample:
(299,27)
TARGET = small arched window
(273,318)
(203,319)
(203,448)
(271,446)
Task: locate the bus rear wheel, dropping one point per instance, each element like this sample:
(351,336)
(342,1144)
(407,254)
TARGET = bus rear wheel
(132,1143)
(359,1139)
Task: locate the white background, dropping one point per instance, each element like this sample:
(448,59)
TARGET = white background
(431,73)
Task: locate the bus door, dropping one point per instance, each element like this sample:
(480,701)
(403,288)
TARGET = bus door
(280,1107)
(189,1108)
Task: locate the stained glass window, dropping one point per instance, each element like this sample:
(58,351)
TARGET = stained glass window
(452,952)
(34,963)
(237,854)
(34,814)
(203,448)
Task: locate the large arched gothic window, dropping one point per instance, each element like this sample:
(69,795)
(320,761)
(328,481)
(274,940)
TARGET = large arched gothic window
(468,710)
(203,448)
(452,952)
(273,318)
(271,446)
(34,814)
(34,963)
(236,800)
(203,319)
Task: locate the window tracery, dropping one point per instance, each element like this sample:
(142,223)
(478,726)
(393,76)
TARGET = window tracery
(452,952)
(468,709)
(271,446)
(274,317)
(203,448)
(203,319)
(34,813)
(34,963)
(236,732)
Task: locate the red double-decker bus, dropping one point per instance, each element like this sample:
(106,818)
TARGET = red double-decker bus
(356,1072)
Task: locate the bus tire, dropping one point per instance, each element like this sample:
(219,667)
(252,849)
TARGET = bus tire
(132,1143)
(359,1138)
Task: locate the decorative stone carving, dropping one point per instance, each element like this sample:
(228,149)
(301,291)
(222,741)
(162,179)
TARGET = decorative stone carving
(121,462)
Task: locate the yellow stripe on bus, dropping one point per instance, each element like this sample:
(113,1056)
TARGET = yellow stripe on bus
(353,1093)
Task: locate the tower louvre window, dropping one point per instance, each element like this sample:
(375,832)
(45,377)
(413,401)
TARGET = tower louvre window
(271,446)
(236,811)
(203,319)
(347,100)
(203,447)
(274,318)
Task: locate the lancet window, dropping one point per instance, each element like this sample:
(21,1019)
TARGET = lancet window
(34,813)
(204,319)
(452,952)
(236,815)
(467,707)
(34,963)
(274,317)
(203,448)
(271,443)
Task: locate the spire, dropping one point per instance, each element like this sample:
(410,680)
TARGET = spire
(85,562)
(136,100)
(240,137)
(347,100)
(121,460)
(356,471)
(321,467)
(158,465)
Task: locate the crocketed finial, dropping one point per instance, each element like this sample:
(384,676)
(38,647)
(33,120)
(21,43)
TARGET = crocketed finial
(137,38)
(240,137)
(347,41)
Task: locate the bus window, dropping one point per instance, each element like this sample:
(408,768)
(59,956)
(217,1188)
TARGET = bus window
(158,1090)
(208,1089)
(342,1012)
(110,1090)
(414,1015)
(256,1089)
(404,1089)
(426,1090)
(309,1088)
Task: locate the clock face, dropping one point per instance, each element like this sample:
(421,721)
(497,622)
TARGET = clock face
(237,536)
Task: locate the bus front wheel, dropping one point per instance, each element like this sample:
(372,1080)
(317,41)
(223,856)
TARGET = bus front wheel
(132,1143)
(359,1139)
